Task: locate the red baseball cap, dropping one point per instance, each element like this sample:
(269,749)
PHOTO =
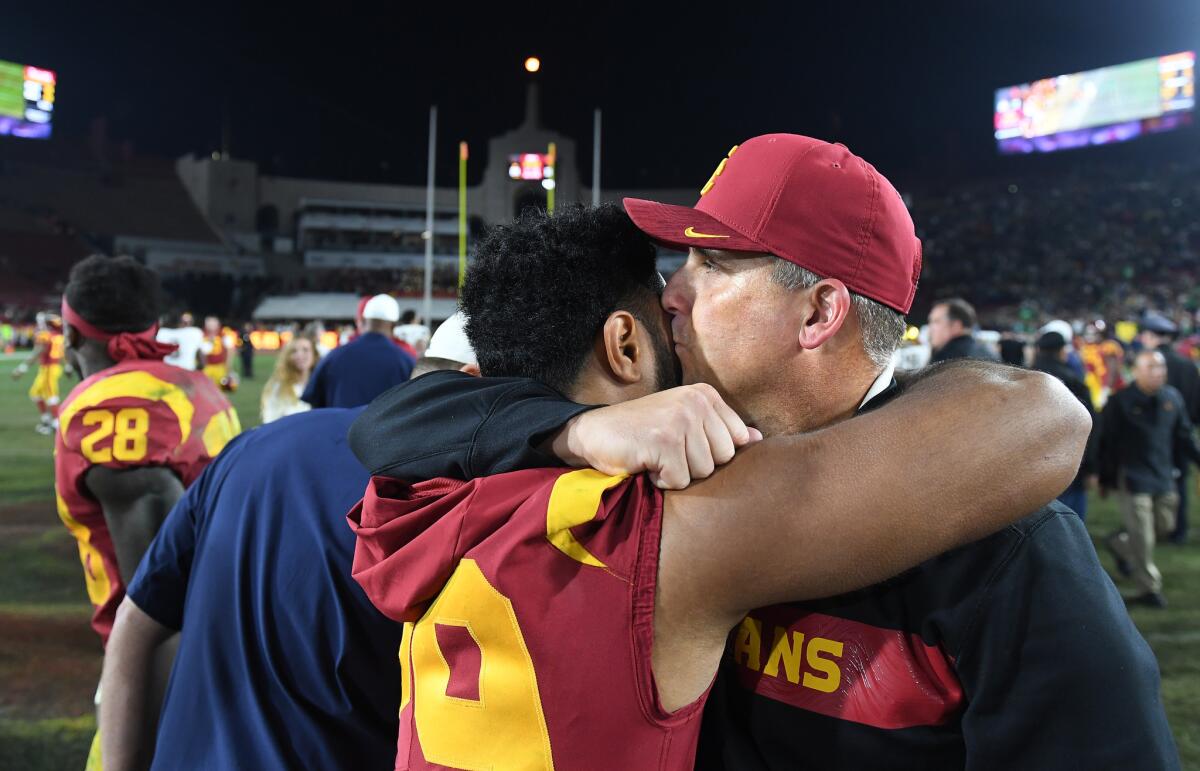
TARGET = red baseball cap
(807,201)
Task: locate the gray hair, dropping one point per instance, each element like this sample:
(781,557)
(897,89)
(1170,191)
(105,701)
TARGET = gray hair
(882,327)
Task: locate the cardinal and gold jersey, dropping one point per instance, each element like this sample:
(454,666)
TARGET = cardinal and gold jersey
(137,413)
(45,383)
(216,356)
(531,597)
(51,344)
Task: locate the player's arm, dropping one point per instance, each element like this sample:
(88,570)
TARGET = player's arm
(141,648)
(137,664)
(476,426)
(25,363)
(454,414)
(793,518)
(135,503)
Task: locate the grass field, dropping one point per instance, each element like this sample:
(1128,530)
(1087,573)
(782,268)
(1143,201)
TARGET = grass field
(50,659)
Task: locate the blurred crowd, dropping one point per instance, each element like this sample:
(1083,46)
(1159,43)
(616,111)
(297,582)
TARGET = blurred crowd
(1104,241)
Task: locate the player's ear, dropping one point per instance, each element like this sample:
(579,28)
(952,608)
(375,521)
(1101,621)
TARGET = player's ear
(470,369)
(71,337)
(620,350)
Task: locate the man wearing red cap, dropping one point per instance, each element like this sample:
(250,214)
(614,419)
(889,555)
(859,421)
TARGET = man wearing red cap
(802,260)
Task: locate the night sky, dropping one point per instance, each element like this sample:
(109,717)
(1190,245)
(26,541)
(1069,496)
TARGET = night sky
(342,89)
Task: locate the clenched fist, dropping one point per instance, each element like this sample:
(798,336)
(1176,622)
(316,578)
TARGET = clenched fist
(676,435)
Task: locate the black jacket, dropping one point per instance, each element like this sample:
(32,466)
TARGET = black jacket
(962,347)
(1183,376)
(1012,652)
(1141,436)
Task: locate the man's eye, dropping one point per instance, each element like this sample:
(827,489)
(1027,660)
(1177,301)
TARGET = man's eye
(708,265)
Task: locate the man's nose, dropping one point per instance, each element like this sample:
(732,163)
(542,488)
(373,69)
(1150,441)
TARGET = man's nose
(675,295)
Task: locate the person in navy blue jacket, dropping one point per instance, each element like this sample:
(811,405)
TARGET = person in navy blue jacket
(357,372)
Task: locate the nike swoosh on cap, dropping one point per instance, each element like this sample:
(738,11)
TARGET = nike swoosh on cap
(690,232)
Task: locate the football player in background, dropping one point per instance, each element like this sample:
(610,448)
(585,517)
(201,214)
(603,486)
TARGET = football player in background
(216,350)
(133,434)
(48,352)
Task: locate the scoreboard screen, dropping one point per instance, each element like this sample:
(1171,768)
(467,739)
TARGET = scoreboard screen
(530,166)
(1096,107)
(26,100)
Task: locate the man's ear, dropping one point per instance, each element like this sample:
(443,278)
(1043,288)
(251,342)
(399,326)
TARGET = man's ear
(826,310)
(620,350)
(470,369)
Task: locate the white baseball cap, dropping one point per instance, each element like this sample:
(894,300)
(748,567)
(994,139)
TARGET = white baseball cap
(382,307)
(1059,326)
(450,341)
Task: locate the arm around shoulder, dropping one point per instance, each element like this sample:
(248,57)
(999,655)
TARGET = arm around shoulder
(943,464)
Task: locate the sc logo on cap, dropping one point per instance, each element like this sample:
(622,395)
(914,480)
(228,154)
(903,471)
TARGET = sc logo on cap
(720,168)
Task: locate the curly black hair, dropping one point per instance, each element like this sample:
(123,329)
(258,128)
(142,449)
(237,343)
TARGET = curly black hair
(540,289)
(116,294)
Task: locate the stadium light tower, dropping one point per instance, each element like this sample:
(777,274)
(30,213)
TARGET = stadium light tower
(533,64)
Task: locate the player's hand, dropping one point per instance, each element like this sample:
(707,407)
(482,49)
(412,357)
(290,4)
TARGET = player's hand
(676,435)
(20,370)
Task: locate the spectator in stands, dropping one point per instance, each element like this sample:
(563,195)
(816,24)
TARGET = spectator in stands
(293,366)
(246,351)
(1158,333)
(355,373)
(1052,359)
(183,332)
(1142,429)
(951,332)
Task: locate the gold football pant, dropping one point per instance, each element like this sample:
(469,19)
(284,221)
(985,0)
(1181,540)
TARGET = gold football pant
(45,384)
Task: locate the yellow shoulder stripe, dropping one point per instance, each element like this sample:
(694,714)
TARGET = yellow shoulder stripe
(574,500)
(141,385)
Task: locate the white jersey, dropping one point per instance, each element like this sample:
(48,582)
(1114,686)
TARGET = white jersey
(189,340)
(416,335)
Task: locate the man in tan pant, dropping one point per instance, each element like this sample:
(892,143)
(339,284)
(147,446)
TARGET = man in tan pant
(1143,429)
(1147,519)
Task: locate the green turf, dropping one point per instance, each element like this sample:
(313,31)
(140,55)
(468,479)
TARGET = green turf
(54,743)
(39,577)
(1173,633)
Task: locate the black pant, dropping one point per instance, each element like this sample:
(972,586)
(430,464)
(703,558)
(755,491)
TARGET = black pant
(1181,524)
(248,365)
